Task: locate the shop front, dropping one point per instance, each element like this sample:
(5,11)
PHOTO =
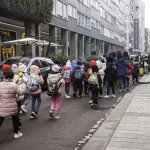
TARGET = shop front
(7,50)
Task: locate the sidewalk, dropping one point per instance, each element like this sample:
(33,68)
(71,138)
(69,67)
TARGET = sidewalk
(128,125)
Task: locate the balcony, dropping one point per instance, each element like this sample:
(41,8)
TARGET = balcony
(18,14)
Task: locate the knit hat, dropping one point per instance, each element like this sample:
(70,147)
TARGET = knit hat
(55,68)
(5,67)
(15,68)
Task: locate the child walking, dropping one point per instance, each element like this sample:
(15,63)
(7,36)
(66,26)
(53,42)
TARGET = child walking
(55,87)
(34,86)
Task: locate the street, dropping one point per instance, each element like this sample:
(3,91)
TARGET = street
(77,118)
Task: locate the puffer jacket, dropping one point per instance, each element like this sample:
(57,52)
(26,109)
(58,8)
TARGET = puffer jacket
(8,92)
(54,78)
(34,71)
(63,70)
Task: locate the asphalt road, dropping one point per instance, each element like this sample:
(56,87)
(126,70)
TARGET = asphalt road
(77,118)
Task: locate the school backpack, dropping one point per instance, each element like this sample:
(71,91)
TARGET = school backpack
(93,79)
(78,74)
(67,74)
(53,87)
(32,84)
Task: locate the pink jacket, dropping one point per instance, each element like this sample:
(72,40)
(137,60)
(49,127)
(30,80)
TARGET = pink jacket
(8,92)
(35,70)
(67,68)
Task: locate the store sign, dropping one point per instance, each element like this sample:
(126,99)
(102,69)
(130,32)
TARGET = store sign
(136,33)
(5,33)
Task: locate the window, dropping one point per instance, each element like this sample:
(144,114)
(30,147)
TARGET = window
(44,64)
(71,11)
(54,7)
(59,8)
(74,12)
(97,5)
(65,11)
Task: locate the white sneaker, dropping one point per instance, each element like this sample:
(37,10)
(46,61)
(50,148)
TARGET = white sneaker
(16,136)
(101,96)
(113,96)
(34,114)
(68,97)
(32,117)
(57,117)
(107,96)
(51,114)
(23,108)
(90,101)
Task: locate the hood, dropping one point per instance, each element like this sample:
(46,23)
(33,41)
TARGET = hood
(68,63)
(73,64)
(21,67)
(34,70)
(15,68)
(55,68)
(93,52)
(92,63)
(121,60)
(99,64)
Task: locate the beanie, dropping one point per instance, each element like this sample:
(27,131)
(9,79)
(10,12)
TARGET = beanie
(5,67)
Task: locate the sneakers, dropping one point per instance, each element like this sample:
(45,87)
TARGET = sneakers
(107,96)
(16,136)
(34,115)
(23,109)
(101,96)
(125,90)
(57,117)
(51,114)
(113,96)
(68,97)
(90,101)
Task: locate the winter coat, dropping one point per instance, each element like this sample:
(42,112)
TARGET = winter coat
(121,65)
(8,92)
(63,70)
(82,72)
(109,72)
(93,56)
(99,64)
(135,72)
(92,63)
(54,78)
(35,71)
(73,64)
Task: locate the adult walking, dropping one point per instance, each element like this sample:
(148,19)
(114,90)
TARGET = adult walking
(93,56)
(122,66)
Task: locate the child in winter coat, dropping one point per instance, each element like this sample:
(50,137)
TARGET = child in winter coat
(8,99)
(55,79)
(135,73)
(36,95)
(77,78)
(67,73)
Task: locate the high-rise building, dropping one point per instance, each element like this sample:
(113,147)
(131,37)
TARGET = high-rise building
(129,25)
(139,27)
(147,40)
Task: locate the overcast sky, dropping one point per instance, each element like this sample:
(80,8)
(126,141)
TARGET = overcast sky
(147,14)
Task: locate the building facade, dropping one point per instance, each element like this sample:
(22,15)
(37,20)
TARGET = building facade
(129,25)
(77,26)
(147,41)
(139,27)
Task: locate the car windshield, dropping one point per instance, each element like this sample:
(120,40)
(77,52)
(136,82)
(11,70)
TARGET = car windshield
(16,61)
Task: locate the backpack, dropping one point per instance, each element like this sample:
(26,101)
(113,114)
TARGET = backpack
(67,74)
(32,84)
(53,88)
(78,74)
(93,79)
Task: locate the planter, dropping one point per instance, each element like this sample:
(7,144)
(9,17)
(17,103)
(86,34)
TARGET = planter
(18,14)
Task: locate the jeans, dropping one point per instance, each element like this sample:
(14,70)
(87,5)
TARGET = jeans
(85,87)
(78,86)
(14,121)
(122,81)
(26,99)
(67,88)
(19,108)
(36,102)
(93,92)
(111,85)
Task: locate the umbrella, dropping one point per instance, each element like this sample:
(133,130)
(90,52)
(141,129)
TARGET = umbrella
(25,41)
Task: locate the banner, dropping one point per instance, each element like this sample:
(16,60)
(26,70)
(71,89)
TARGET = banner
(136,33)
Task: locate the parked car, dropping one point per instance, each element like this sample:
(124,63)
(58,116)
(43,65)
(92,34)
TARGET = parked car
(45,65)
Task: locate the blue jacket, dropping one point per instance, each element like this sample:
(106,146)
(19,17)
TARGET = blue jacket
(121,65)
